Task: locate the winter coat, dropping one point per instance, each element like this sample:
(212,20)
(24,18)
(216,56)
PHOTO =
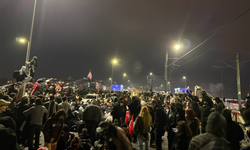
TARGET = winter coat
(234,132)
(52,129)
(208,100)
(182,143)
(215,135)
(139,127)
(52,107)
(205,112)
(160,119)
(121,140)
(65,106)
(193,124)
(219,107)
(92,113)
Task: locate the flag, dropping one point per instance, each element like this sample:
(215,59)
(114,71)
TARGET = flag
(131,126)
(34,89)
(127,117)
(59,87)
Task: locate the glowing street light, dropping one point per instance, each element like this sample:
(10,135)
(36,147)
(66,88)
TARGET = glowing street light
(114,61)
(177,46)
(124,75)
(185,81)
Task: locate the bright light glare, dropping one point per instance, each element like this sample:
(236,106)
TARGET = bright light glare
(114,61)
(151,73)
(124,74)
(177,46)
(110,79)
(184,77)
(22,40)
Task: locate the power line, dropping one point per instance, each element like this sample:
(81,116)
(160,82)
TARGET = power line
(210,37)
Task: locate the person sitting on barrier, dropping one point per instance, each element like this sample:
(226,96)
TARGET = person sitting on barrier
(235,134)
(219,105)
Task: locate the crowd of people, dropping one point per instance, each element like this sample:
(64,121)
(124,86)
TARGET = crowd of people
(190,122)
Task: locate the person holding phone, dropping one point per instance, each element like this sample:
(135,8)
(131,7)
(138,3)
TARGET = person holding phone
(184,136)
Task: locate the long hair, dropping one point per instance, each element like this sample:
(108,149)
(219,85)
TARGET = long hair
(76,142)
(191,115)
(146,117)
(184,130)
(59,113)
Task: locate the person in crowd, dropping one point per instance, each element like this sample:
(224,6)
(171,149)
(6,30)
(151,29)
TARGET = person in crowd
(205,112)
(195,106)
(32,66)
(51,106)
(215,136)
(92,116)
(65,106)
(142,127)
(180,116)
(234,132)
(134,106)
(3,106)
(52,129)
(219,105)
(37,113)
(65,139)
(76,144)
(85,139)
(171,114)
(160,121)
(177,98)
(182,96)
(192,121)
(114,137)
(8,140)
(184,136)
(207,99)
(119,110)
(31,102)
(20,117)
(172,99)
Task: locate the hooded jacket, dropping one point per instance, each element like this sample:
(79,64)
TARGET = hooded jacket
(214,138)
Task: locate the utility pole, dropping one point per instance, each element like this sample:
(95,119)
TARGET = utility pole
(166,73)
(238,80)
(30,39)
(147,85)
(151,74)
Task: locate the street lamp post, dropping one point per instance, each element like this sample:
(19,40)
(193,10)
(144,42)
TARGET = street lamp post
(111,83)
(112,78)
(124,75)
(185,81)
(151,74)
(30,39)
(169,87)
(166,67)
(128,82)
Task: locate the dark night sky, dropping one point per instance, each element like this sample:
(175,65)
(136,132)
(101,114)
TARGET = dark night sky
(73,36)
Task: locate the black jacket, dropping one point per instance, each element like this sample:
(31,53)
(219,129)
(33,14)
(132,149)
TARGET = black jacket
(160,119)
(205,112)
(182,143)
(209,101)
